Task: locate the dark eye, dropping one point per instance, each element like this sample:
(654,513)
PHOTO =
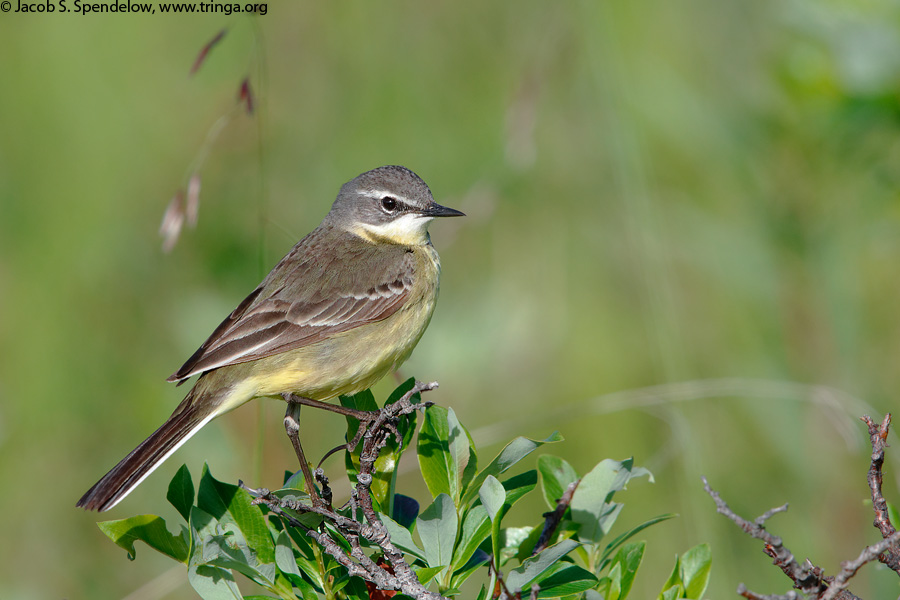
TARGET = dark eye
(389,204)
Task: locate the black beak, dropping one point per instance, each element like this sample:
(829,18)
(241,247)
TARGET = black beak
(436,210)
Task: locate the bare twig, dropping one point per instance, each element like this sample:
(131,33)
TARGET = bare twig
(400,575)
(807,577)
(553,519)
(744,592)
(760,521)
(850,567)
(878,437)
(501,592)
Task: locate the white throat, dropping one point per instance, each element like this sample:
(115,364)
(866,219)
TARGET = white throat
(410,229)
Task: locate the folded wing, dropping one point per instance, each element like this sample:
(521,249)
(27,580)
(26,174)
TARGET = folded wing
(309,296)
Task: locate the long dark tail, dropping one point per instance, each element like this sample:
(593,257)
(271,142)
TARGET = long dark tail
(192,414)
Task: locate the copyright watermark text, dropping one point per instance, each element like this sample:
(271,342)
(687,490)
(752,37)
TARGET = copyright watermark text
(82,7)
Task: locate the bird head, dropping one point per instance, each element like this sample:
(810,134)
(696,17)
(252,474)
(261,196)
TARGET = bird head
(388,204)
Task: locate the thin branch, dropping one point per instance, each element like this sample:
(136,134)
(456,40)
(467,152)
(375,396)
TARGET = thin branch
(501,592)
(850,567)
(878,437)
(553,519)
(760,521)
(744,592)
(807,578)
(400,576)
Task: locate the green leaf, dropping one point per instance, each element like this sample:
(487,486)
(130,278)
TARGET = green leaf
(614,583)
(222,544)
(522,577)
(284,555)
(515,451)
(611,547)
(442,448)
(556,475)
(355,589)
(592,530)
(203,525)
(893,516)
(230,504)
(628,559)
(402,538)
(528,544)
(407,423)
(475,562)
(565,579)
(363,400)
(426,574)
(492,495)
(511,540)
(476,527)
(518,486)
(673,582)
(673,593)
(437,529)
(471,469)
(301,542)
(458,444)
(696,564)
(383,475)
(149,529)
(181,492)
(237,559)
(400,390)
(307,519)
(641,472)
(213,583)
(592,507)
(294,481)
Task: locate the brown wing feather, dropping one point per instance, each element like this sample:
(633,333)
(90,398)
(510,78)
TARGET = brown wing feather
(309,296)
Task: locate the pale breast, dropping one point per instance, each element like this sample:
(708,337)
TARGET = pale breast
(354,360)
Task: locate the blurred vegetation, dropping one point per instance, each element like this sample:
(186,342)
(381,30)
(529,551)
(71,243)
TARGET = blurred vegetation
(657,193)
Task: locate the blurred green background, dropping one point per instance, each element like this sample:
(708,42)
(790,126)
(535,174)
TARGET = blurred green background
(682,245)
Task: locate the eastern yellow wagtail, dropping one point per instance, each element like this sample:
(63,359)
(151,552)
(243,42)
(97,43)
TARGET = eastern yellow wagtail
(343,308)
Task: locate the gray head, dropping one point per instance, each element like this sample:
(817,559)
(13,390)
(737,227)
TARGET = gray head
(388,203)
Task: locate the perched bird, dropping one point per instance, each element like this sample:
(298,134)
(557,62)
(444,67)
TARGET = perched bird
(343,308)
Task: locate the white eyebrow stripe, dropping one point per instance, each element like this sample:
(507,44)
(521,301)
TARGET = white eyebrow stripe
(382,194)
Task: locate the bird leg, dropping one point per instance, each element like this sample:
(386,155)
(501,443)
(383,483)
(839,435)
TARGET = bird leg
(292,426)
(369,419)
(363,416)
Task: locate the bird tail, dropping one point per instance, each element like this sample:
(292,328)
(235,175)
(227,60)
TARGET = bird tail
(195,411)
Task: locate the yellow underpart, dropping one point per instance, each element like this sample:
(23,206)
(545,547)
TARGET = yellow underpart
(345,363)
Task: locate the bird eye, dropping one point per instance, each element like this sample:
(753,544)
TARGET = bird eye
(389,204)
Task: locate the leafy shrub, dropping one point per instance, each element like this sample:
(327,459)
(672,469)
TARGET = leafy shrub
(228,531)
